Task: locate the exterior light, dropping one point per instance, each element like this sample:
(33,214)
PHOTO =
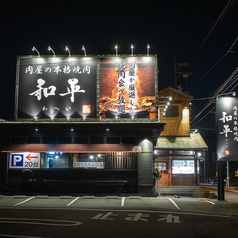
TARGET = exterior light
(132,117)
(148,50)
(35,118)
(99,155)
(51,118)
(132,47)
(36,129)
(84,50)
(107,129)
(50,49)
(163,113)
(91,157)
(84,118)
(116,49)
(116,117)
(199,154)
(34,49)
(168,103)
(72,129)
(170,98)
(68,118)
(66,48)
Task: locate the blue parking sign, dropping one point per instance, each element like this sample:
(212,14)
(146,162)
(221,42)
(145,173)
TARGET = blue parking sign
(17,160)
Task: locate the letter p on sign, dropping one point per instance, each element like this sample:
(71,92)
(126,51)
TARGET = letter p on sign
(17,160)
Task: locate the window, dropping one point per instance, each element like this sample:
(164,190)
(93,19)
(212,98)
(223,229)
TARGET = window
(172,111)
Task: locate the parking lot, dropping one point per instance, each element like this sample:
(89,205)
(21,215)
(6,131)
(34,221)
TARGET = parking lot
(114,202)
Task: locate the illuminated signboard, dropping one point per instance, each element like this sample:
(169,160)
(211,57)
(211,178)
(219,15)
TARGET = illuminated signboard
(127,87)
(24,160)
(183,167)
(227,128)
(56,87)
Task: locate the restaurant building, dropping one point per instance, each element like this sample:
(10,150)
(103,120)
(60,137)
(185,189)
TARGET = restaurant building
(84,125)
(92,125)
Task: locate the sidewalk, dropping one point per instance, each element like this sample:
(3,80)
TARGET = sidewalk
(214,187)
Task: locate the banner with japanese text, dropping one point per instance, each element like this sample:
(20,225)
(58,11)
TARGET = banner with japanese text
(127,87)
(227,128)
(56,87)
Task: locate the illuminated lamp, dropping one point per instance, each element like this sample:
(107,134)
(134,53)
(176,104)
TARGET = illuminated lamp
(84,118)
(36,118)
(50,49)
(168,103)
(51,118)
(99,155)
(107,129)
(116,117)
(170,98)
(116,49)
(132,47)
(36,129)
(132,117)
(34,49)
(68,118)
(72,129)
(185,113)
(84,50)
(148,50)
(199,154)
(67,49)
(91,157)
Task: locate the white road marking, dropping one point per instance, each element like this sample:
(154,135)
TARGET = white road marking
(15,236)
(45,222)
(24,201)
(174,203)
(123,202)
(72,201)
(210,202)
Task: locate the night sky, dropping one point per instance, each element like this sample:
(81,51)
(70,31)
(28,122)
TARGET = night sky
(198,32)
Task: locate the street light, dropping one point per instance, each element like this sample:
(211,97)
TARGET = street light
(66,48)
(50,49)
(34,49)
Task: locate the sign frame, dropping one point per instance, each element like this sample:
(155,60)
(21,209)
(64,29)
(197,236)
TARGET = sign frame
(97,96)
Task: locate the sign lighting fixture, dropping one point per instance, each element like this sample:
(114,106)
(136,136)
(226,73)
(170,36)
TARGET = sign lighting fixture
(132,47)
(84,50)
(50,49)
(34,49)
(116,49)
(148,50)
(67,49)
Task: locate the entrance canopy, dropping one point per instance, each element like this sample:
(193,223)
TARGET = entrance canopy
(181,145)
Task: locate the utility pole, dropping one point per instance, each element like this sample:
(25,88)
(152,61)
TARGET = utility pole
(181,70)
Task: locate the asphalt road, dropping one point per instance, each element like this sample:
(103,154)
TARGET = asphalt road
(38,217)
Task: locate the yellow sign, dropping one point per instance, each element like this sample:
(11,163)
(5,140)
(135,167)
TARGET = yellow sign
(236,173)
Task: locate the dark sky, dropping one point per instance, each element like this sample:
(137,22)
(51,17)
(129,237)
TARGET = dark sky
(170,27)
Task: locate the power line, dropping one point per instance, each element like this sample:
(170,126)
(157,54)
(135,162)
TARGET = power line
(214,26)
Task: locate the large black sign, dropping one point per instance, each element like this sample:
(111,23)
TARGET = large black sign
(56,87)
(227,128)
